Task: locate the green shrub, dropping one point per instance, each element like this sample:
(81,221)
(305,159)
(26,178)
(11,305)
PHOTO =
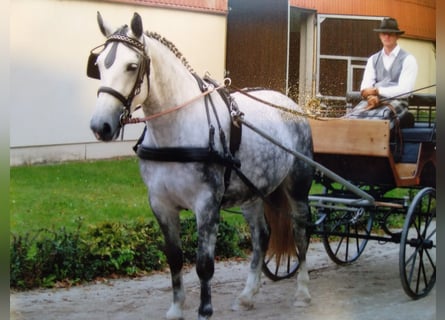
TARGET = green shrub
(230,240)
(48,257)
(124,249)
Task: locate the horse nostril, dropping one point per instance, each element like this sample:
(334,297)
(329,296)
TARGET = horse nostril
(106,129)
(102,131)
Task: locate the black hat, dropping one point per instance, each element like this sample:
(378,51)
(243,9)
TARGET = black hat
(389,25)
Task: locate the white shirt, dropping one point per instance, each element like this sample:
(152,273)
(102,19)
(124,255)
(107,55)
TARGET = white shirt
(407,77)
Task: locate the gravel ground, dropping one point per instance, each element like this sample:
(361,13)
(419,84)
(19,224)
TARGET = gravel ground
(369,289)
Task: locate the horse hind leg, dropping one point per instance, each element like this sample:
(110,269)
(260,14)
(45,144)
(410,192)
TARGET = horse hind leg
(254,215)
(287,217)
(301,217)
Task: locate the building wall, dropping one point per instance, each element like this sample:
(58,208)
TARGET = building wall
(257,32)
(52,98)
(425,54)
(349,36)
(416,17)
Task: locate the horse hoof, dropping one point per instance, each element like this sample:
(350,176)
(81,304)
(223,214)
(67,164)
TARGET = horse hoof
(242,304)
(302,299)
(174,313)
(170,317)
(205,313)
(302,303)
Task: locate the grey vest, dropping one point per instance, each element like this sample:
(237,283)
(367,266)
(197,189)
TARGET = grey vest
(387,78)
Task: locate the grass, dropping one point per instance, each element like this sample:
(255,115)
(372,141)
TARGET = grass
(58,195)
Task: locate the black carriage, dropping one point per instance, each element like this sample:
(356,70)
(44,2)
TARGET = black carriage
(369,176)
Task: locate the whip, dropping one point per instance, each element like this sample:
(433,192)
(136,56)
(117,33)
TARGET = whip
(405,93)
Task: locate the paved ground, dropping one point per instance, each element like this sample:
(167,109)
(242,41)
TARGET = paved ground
(367,290)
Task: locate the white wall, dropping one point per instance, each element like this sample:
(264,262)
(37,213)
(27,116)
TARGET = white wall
(425,54)
(51,96)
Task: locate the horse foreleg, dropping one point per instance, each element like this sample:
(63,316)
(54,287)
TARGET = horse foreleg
(254,215)
(207,226)
(173,252)
(175,261)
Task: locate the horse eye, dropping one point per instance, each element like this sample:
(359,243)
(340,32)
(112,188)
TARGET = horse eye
(132,67)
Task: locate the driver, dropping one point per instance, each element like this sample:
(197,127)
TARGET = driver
(391,72)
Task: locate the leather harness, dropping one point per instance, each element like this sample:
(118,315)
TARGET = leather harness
(203,154)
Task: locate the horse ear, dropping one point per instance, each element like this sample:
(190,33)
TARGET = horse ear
(136,25)
(106,30)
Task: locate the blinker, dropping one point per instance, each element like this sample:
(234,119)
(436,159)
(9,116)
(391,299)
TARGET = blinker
(92,68)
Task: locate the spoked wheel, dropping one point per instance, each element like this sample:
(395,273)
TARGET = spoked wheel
(285,265)
(345,233)
(279,268)
(417,260)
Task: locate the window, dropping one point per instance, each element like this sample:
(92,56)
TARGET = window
(344,45)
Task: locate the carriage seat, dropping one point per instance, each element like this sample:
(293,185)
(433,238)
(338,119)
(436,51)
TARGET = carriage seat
(412,139)
(417,125)
(419,133)
(406,120)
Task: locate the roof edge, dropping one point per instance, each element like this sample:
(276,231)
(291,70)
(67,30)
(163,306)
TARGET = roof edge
(214,6)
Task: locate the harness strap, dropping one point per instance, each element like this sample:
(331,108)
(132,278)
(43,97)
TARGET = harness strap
(235,131)
(116,94)
(192,154)
(186,154)
(206,154)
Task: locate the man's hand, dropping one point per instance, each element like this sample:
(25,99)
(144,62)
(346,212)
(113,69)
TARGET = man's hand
(369,92)
(373,102)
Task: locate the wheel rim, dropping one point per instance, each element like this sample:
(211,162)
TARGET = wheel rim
(277,269)
(345,234)
(417,261)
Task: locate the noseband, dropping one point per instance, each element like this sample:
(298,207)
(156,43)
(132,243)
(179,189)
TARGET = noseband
(143,69)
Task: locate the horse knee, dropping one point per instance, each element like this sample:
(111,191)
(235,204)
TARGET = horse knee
(205,267)
(264,239)
(174,258)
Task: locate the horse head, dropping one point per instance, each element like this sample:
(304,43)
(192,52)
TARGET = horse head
(122,67)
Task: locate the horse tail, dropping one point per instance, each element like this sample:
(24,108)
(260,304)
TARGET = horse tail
(278,215)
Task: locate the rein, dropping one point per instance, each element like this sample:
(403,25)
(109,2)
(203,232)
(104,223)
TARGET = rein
(288,110)
(210,89)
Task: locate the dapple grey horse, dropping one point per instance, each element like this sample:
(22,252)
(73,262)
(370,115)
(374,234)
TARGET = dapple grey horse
(186,162)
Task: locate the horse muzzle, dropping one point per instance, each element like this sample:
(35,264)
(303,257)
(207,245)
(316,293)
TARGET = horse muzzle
(105,130)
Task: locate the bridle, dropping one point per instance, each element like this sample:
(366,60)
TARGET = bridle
(143,69)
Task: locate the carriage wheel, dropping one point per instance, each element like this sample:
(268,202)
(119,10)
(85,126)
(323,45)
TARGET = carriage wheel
(285,266)
(280,268)
(345,234)
(417,259)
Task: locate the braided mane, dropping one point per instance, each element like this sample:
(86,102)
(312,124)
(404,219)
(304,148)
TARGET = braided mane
(171,47)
